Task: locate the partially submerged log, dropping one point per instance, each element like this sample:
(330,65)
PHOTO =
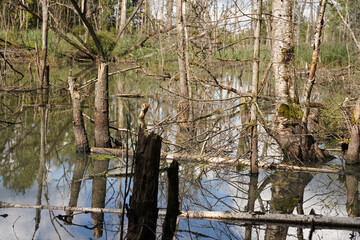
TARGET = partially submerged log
(218,161)
(129,95)
(316,221)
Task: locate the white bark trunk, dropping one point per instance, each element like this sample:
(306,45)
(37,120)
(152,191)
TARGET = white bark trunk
(283,51)
(291,219)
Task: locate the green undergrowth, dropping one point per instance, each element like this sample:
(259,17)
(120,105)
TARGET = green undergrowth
(331,54)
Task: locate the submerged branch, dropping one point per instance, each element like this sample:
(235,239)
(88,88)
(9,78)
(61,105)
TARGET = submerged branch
(211,160)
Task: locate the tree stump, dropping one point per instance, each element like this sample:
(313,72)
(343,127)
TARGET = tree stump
(143,210)
(172,211)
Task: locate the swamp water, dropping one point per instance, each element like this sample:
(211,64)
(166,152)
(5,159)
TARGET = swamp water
(39,166)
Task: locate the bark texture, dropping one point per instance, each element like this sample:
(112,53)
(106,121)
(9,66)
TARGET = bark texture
(183,103)
(143,210)
(289,131)
(82,144)
(172,211)
(255,79)
(352,156)
(311,80)
(283,50)
(102,134)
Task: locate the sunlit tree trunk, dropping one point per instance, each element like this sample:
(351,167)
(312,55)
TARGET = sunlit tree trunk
(311,80)
(290,132)
(283,51)
(183,104)
(123,14)
(102,134)
(44,70)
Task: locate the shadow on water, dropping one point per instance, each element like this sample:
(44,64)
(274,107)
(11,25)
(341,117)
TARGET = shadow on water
(39,166)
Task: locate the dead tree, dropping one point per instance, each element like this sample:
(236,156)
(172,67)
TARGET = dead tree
(352,156)
(143,209)
(82,144)
(172,210)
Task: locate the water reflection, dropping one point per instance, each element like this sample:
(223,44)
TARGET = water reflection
(39,166)
(98,195)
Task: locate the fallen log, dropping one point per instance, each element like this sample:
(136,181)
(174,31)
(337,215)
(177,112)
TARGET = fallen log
(204,159)
(129,95)
(317,221)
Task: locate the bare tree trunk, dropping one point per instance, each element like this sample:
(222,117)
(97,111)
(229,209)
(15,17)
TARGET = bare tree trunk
(255,80)
(102,134)
(283,51)
(310,23)
(44,70)
(169,13)
(352,156)
(353,36)
(183,103)
(82,144)
(172,211)
(117,15)
(299,23)
(290,133)
(311,80)
(123,14)
(352,192)
(143,210)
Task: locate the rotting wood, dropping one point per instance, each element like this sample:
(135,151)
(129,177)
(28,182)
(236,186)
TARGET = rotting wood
(172,208)
(143,211)
(352,156)
(306,220)
(82,143)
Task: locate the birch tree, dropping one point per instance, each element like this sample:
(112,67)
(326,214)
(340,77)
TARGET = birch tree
(289,131)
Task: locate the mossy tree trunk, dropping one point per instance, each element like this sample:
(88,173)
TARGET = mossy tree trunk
(290,131)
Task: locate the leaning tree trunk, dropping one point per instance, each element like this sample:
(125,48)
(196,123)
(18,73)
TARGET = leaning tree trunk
(82,143)
(290,132)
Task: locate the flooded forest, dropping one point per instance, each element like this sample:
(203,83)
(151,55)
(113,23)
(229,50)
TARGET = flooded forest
(176,119)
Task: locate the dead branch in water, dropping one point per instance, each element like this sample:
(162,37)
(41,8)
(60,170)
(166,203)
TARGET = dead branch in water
(317,221)
(221,161)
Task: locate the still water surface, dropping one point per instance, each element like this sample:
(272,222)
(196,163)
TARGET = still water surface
(39,165)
